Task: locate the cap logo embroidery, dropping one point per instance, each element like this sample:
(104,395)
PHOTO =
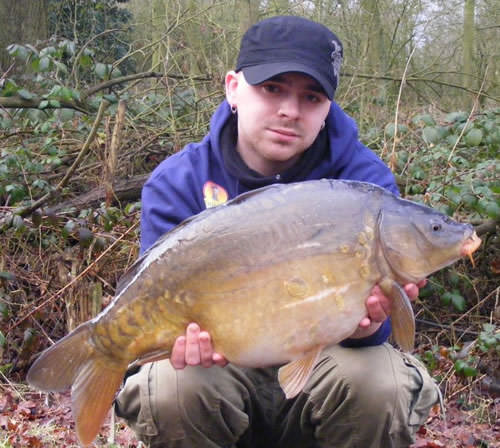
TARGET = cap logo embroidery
(336,56)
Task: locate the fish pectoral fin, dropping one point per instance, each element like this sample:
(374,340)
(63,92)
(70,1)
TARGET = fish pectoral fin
(402,318)
(294,375)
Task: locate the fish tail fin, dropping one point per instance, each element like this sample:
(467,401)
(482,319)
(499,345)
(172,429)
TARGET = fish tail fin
(92,395)
(94,379)
(56,368)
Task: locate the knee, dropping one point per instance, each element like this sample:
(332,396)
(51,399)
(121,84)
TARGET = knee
(382,389)
(193,405)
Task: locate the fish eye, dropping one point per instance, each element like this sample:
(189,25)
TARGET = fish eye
(436,227)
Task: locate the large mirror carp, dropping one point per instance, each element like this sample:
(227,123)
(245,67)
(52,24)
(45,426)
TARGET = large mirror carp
(274,276)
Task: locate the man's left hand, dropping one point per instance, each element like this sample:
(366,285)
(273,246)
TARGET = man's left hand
(378,307)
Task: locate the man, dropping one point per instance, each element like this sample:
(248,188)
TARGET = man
(278,124)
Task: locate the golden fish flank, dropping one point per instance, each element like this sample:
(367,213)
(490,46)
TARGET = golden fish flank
(291,278)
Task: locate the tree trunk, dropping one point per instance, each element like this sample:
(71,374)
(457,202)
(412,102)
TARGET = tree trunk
(373,50)
(468,48)
(23,22)
(249,13)
(158,14)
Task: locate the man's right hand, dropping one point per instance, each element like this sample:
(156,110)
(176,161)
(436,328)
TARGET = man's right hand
(195,348)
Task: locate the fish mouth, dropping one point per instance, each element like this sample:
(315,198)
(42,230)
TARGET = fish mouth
(469,247)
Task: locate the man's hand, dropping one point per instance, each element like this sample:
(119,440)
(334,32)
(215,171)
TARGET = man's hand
(378,308)
(195,348)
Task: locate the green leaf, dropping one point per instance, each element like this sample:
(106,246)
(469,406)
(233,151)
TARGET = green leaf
(4,314)
(430,135)
(116,73)
(423,120)
(44,65)
(458,302)
(68,228)
(61,67)
(454,298)
(102,70)
(111,98)
(43,104)
(66,114)
(47,51)
(492,209)
(25,94)
(456,117)
(469,371)
(19,51)
(452,139)
(85,61)
(10,88)
(474,137)
(18,222)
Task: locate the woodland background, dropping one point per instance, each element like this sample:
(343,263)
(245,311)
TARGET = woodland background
(94,94)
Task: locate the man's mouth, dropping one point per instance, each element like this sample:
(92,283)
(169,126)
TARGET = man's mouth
(286,133)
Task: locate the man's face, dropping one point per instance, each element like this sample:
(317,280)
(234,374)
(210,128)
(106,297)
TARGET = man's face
(277,120)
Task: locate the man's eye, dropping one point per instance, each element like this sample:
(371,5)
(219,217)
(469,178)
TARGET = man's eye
(313,98)
(271,88)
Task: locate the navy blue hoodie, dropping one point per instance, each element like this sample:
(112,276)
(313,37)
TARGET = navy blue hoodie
(210,172)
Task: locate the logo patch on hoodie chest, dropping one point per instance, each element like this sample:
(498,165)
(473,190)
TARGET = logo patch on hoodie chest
(214,194)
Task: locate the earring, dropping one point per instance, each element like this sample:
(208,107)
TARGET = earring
(233,109)
(322,126)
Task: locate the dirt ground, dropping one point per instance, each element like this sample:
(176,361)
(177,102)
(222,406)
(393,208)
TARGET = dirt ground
(32,419)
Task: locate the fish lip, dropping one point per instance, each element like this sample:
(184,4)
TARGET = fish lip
(470,245)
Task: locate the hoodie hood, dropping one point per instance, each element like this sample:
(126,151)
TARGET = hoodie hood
(332,150)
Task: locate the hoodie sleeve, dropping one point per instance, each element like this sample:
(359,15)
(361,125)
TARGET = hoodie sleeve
(170,196)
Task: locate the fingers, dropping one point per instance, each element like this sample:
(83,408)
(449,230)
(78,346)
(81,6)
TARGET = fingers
(195,348)
(178,356)
(378,307)
(219,360)
(193,357)
(206,350)
(413,289)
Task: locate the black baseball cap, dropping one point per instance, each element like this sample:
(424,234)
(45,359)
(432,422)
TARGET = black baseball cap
(283,44)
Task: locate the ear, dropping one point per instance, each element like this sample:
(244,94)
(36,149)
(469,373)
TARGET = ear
(232,80)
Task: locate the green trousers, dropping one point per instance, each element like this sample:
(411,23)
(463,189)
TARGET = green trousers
(372,397)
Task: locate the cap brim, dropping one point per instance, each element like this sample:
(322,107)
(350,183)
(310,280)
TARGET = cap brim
(257,74)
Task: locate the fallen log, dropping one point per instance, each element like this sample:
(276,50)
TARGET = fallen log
(123,190)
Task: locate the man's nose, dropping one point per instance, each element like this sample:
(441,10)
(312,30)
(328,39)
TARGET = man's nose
(290,107)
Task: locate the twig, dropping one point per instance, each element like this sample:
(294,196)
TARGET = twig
(446,327)
(418,79)
(496,290)
(392,162)
(84,272)
(112,155)
(112,82)
(469,118)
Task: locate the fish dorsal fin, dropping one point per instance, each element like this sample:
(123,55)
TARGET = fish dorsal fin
(402,318)
(294,375)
